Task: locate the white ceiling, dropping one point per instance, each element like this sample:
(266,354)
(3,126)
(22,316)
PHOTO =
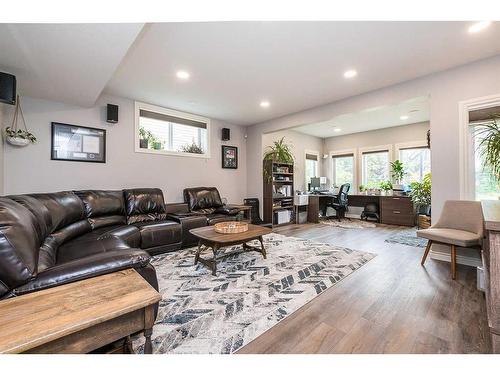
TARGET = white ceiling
(64,62)
(417,110)
(233,65)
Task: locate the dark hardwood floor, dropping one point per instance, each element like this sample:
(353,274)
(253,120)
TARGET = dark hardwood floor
(391,305)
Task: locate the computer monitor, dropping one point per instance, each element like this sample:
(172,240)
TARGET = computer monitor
(315,183)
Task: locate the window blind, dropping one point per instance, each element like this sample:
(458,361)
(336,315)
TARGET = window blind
(172,119)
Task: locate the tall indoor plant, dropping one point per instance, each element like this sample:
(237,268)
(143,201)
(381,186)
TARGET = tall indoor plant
(421,194)
(488,135)
(397,174)
(280,152)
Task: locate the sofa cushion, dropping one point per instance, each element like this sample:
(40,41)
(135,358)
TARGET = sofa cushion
(143,205)
(19,245)
(103,207)
(219,218)
(202,198)
(85,246)
(158,233)
(65,208)
(38,209)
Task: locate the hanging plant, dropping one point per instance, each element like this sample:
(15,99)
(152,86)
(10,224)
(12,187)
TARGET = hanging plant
(16,136)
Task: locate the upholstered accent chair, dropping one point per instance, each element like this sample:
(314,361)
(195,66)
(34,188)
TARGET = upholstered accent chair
(460,224)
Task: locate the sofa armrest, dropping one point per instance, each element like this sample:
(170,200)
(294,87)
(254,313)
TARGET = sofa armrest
(227,210)
(87,267)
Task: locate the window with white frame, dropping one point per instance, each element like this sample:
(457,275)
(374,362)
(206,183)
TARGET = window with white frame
(311,167)
(160,130)
(485,184)
(343,170)
(375,167)
(416,162)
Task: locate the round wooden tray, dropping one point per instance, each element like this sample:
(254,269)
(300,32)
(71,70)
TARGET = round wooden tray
(231,227)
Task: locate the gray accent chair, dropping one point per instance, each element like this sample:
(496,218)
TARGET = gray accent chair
(460,224)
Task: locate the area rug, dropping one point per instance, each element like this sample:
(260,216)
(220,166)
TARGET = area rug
(407,237)
(348,224)
(201,313)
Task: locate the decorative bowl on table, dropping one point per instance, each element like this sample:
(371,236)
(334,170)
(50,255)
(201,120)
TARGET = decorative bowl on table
(231,227)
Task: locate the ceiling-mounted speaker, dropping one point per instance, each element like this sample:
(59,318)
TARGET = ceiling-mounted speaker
(226,134)
(112,113)
(7,88)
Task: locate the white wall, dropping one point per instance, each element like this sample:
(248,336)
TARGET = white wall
(445,90)
(300,144)
(30,169)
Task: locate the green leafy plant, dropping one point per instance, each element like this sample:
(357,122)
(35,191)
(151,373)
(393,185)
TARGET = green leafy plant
(192,148)
(397,171)
(489,144)
(280,152)
(19,133)
(386,185)
(361,188)
(421,192)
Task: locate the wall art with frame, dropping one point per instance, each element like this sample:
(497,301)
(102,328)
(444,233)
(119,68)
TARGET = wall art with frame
(230,157)
(78,143)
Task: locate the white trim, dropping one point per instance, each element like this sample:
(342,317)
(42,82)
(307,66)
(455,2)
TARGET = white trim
(461,259)
(166,111)
(466,152)
(363,150)
(406,145)
(349,151)
(311,152)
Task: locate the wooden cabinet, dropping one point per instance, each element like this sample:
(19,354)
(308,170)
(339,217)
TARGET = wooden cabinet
(397,211)
(278,192)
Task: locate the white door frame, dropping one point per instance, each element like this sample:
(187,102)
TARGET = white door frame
(466,151)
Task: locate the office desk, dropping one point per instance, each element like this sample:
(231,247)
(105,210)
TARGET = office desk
(393,209)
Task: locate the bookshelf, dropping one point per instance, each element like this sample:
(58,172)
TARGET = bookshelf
(278,193)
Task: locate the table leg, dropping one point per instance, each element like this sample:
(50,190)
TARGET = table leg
(215,248)
(197,255)
(261,240)
(148,328)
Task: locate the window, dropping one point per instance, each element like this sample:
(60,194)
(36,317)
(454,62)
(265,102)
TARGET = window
(485,184)
(343,170)
(160,130)
(311,169)
(416,162)
(375,168)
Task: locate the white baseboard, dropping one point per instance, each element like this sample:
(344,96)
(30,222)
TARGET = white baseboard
(461,259)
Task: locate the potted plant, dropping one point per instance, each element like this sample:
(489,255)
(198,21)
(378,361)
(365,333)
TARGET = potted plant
(361,188)
(192,148)
(144,137)
(488,146)
(386,186)
(16,136)
(397,174)
(421,195)
(280,152)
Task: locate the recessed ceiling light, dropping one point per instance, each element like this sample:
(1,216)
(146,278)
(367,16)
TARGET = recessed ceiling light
(350,73)
(182,74)
(265,104)
(404,117)
(336,130)
(479,26)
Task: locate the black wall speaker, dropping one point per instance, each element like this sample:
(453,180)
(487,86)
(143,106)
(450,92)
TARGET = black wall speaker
(226,134)
(7,88)
(112,113)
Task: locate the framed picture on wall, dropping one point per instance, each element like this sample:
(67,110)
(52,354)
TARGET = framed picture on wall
(230,157)
(78,143)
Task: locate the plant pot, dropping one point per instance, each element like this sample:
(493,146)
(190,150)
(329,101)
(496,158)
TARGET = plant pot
(397,187)
(19,142)
(157,145)
(424,221)
(143,143)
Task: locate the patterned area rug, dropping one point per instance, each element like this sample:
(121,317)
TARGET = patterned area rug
(201,313)
(348,224)
(407,236)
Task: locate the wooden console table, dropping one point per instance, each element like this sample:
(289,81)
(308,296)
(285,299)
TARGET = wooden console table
(490,255)
(79,317)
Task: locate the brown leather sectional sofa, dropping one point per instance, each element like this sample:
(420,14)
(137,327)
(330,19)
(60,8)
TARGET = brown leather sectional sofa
(56,238)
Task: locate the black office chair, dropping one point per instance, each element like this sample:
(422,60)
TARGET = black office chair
(339,204)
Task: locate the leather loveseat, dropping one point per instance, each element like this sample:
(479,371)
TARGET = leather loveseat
(207,201)
(56,238)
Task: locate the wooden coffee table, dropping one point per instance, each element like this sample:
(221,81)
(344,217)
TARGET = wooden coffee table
(79,317)
(210,239)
